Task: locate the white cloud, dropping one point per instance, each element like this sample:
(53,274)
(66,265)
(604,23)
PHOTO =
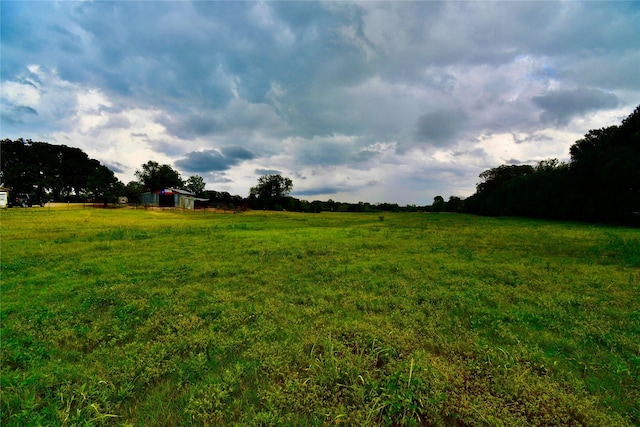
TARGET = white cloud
(26,94)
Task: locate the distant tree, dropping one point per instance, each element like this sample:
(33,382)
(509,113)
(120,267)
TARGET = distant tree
(224,200)
(196,185)
(315,206)
(388,207)
(271,192)
(103,186)
(154,176)
(133,190)
(454,204)
(438,204)
(305,206)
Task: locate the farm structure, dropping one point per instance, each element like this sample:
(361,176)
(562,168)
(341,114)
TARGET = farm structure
(171,198)
(4,197)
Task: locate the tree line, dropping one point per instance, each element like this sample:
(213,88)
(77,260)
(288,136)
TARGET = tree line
(600,183)
(62,173)
(54,172)
(273,193)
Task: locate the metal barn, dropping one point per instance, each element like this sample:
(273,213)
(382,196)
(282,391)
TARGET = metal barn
(170,198)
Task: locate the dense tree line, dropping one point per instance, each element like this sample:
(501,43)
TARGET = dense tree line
(273,193)
(600,183)
(62,173)
(56,172)
(224,200)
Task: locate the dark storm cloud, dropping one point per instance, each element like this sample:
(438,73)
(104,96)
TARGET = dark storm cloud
(14,113)
(514,162)
(192,126)
(268,172)
(317,85)
(238,153)
(364,156)
(213,160)
(116,166)
(318,191)
(204,53)
(561,105)
(159,52)
(530,138)
(219,178)
(439,128)
(323,152)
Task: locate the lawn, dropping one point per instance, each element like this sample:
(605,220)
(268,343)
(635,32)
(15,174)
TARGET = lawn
(134,317)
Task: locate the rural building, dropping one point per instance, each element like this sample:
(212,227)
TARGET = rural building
(170,198)
(4,197)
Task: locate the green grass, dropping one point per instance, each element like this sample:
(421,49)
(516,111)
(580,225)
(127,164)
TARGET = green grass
(168,318)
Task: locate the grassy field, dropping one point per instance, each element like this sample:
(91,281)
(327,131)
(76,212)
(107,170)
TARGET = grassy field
(170,318)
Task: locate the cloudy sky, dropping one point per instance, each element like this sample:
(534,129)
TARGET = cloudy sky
(354,101)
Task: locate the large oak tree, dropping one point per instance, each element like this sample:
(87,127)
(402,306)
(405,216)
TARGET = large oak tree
(154,176)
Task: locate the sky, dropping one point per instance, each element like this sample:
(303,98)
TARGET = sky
(392,102)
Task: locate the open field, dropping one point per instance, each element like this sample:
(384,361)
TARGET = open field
(133,317)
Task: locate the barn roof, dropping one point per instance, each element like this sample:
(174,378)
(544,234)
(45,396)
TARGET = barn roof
(176,191)
(170,191)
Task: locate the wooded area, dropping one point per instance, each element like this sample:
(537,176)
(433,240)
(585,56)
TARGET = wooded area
(601,182)
(55,172)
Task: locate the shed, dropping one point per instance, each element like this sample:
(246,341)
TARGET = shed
(170,198)
(4,197)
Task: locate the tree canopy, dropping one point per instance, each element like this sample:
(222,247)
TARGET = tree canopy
(271,192)
(438,204)
(57,170)
(196,185)
(154,176)
(102,185)
(601,183)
